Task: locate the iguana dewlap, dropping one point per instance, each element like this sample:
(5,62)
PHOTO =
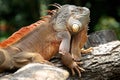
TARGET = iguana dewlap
(64,32)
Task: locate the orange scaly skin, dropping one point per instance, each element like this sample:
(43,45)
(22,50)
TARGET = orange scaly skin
(64,32)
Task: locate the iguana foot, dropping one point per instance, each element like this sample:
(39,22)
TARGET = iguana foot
(84,51)
(68,61)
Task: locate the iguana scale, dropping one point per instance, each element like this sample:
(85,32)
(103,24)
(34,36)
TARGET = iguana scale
(64,31)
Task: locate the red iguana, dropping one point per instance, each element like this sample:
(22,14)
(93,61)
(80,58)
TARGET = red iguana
(64,31)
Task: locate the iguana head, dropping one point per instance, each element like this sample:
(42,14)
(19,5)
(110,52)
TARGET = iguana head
(71,17)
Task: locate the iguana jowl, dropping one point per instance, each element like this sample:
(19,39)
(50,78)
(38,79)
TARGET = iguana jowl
(64,31)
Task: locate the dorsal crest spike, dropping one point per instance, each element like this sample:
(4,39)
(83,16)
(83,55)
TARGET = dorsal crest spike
(56,5)
(51,12)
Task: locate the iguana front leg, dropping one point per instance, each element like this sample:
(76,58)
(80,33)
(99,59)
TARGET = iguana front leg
(78,42)
(64,50)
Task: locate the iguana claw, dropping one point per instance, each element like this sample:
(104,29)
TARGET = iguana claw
(75,67)
(68,61)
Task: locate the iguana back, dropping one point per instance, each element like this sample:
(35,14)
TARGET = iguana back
(19,34)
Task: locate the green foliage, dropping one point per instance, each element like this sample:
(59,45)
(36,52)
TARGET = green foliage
(16,14)
(43,7)
(3,36)
(106,22)
(19,12)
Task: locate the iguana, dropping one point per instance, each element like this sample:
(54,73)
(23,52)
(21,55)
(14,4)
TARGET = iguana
(63,31)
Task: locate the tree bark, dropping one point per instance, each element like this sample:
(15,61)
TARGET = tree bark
(103,63)
(100,37)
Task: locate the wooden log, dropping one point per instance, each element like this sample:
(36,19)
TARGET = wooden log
(103,63)
(100,37)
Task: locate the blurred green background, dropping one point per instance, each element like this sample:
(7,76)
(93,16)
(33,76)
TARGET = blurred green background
(14,14)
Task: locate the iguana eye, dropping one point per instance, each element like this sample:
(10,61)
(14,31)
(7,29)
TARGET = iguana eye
(80,9)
